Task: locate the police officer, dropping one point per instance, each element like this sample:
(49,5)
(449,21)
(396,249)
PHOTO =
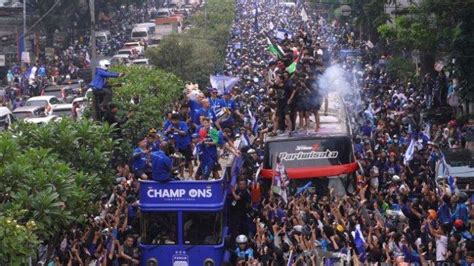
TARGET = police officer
(243,252)
(102,92)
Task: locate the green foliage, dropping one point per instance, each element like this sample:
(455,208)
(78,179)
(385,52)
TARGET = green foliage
(157,90)
(84,145)
(401,68)
(50,177)
(197,53)
(17,241)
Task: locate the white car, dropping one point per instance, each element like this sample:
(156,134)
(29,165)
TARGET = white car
(43,120)
(28,112)
(46,101)
(141,62)
(136,46)
(120,59)
(132,53)
(62,110)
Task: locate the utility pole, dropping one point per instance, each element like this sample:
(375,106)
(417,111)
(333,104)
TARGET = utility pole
(24,26)
(93,43)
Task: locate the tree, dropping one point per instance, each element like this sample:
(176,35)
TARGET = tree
(197,53)
(41,190)
(157,90)
(439,29)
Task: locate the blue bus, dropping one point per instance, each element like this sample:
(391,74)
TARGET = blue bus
(185,222)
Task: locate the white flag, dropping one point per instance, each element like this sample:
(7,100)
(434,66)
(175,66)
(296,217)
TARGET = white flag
(409,152)
(304,16)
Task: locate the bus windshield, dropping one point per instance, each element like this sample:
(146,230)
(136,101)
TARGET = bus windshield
(298,153)
(159,228)
(202,228)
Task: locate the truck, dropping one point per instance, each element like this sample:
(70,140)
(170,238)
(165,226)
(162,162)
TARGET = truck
(169,25)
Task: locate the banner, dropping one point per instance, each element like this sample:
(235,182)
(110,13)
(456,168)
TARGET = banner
(223,83)
(280,34)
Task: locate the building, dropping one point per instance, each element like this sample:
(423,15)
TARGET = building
(398,6)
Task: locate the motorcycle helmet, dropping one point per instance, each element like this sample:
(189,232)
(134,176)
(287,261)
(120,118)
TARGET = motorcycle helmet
(241,239)
(104,64)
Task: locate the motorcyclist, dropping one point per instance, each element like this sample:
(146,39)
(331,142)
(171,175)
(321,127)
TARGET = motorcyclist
(101,89)
(243,252)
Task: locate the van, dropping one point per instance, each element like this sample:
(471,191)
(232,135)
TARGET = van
(150,25)
(102,36)
(141,34)
(163,13)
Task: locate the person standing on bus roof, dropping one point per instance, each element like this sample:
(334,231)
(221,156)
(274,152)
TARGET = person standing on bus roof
(161,164)
(139,156)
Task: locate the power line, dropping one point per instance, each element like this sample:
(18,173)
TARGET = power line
(40,19)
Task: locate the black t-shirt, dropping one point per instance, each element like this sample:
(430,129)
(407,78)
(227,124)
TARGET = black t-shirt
(242,204)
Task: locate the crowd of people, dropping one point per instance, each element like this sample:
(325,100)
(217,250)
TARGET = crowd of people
(394,214)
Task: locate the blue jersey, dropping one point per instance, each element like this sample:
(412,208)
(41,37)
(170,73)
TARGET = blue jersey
(244,254)
(161,166)
(181,141)
(193,107)
(203,112)
(139,159)
(216,104)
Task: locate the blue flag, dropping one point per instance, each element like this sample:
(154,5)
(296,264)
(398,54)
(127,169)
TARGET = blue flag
(359,244)
(302,189)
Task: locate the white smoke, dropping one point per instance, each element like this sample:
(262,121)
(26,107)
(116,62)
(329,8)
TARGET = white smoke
(335,80)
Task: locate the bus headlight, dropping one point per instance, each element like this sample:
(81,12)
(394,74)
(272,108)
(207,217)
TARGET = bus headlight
(152,262)
(209,262)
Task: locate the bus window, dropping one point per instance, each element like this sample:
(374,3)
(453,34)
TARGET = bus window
(202,228)
(297,153)
(159,228)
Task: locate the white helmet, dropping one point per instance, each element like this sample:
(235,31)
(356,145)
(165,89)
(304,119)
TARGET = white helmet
(241,239)
(104,64)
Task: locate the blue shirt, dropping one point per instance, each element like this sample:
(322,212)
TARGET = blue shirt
(161,166)
(100,78)
(244,254)
(181,141)
(193,107)
(229,104)
(139,159)
(216,104)
(203,112)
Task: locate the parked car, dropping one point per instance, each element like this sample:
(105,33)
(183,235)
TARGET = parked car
(136,46)
(120,59)
(141,62)
(43,120)
(132,53)
(46,101)
(6,118)
(23,112)
(62,110)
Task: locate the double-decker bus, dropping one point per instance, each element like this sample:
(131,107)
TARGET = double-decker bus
(185,222)
(325,157)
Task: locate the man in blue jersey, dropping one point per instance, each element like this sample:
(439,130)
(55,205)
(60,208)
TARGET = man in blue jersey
(182,139)
(204,111)
(207,151)
(161,163)
(215,101)
(139,159)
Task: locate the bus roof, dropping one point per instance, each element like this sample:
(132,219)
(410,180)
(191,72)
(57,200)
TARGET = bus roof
(334,124)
